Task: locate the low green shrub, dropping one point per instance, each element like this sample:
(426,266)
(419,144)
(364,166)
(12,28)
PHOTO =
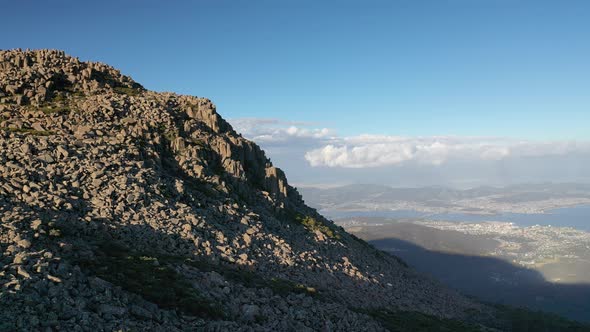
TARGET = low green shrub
(127,91)
(315,225)
(155,282)
(253,280)
(29,131)
(54,110)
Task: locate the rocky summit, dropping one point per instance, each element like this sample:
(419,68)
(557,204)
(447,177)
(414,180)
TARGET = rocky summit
(127,209)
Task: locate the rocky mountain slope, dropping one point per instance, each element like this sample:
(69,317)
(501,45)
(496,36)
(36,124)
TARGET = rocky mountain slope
(126,209)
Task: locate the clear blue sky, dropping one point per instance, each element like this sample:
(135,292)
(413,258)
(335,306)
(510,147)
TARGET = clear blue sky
(462,67)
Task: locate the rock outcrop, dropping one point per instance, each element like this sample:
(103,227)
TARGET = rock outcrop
(126,209)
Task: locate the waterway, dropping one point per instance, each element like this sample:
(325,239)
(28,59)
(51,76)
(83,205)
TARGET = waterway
(577,217)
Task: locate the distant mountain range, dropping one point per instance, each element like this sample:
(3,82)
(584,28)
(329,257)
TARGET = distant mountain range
(524,198)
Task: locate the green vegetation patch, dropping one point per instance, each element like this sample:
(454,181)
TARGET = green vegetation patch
(127,90)
(411,321)
(29,131)
(253,280)
(54,110)
(155,282)
(153,278)
(170,135)
(199,142)
(315,225)
(65,95)
(285,287)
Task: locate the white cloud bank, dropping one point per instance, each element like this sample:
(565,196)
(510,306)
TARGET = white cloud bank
(274,131)
(321,147)
(375,151)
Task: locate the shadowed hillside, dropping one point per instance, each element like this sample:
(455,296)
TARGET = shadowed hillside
(491,279)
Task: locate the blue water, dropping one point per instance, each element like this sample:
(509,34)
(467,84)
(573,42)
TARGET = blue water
(376,213)
(576,217)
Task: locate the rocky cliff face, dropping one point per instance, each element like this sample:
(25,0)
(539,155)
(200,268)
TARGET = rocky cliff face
(123,208)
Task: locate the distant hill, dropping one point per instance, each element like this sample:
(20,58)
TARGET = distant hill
(516,198)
